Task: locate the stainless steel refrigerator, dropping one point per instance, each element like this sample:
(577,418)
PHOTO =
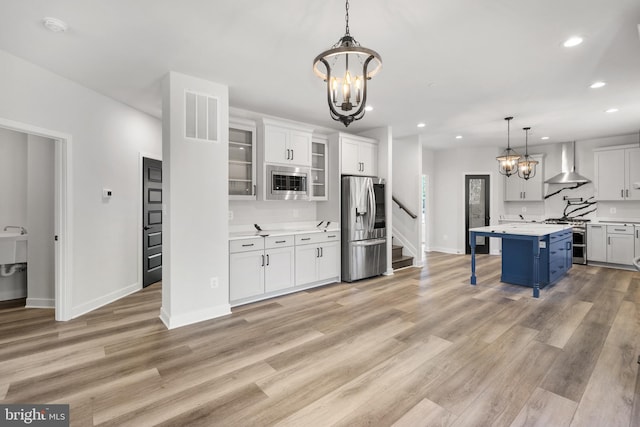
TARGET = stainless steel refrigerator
(364,233)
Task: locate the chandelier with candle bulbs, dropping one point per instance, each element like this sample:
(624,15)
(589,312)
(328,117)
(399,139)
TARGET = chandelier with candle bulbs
(508,160)
(347,68)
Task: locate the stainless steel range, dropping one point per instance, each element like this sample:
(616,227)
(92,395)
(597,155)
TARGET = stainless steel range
(579,245)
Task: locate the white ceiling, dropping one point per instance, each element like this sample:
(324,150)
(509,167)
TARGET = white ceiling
(461,66)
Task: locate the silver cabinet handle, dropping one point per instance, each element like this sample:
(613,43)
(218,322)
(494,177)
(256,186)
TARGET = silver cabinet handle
(247,245)
(281,241)
(291,154)
(306,238)
(627,192)
(621,193)
(254,190)
(262,261)
(267,259)
(608,240)
(321,252)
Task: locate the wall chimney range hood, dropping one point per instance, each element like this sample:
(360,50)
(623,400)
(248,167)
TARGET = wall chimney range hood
(568,175)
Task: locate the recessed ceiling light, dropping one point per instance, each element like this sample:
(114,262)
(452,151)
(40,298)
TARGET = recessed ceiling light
(54,24)
(421,125)
(458,136)
(545,138)
(572,41)
(611,110)
(597,85)
(368,108)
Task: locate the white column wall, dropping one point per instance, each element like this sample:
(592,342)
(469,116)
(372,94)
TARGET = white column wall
(407,170)
(195,208)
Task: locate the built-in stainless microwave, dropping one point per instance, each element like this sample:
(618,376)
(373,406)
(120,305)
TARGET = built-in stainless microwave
(287,183)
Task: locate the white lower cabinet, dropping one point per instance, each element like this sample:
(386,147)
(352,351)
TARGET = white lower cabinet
(246,274)
(597,242)
(620,245)
(317,258)
(279,269)
(263,267)
(259,266)
(613,244)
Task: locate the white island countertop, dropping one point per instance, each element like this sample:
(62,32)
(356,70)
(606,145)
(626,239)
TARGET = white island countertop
(248,232)
(523,229)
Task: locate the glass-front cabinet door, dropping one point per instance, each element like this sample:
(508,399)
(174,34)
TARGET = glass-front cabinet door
(319,158)
(242,159)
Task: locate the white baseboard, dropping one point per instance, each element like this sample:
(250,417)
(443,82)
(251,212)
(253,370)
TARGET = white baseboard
(172,322)
(454,251)
(104,300)
(41,303)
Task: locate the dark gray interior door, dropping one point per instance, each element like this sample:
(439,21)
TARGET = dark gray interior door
(151,221)
(476,210)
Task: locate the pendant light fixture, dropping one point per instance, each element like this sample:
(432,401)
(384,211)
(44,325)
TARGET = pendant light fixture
(346,72)
(526,165)
(508,161)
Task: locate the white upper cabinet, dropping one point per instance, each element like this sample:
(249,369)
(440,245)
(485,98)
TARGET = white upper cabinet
(617,173)
(242,159)
(358,155)
(517,189)
(319,169)
(286,143)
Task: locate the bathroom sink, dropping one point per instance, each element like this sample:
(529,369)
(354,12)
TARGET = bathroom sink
(13,248)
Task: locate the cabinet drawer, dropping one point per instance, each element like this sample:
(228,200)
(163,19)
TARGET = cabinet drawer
(246,245)
(278,241)
(305,239)
(620,229)
(560,235)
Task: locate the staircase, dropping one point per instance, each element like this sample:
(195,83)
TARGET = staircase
(398,260)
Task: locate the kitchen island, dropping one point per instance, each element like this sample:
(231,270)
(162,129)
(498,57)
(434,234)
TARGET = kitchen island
(533,255)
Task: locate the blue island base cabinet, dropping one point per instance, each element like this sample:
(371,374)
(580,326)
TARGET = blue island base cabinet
(556,258)
(533,255)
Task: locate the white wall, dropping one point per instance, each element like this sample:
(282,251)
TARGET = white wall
(407,170)
(13,178)
(13,201)
(271,212)
(40,222)
(428,168)
(107,138)
(195,207)
(449,170)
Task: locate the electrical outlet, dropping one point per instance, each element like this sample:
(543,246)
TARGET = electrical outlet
(612,210)
(214,283)
(230,215)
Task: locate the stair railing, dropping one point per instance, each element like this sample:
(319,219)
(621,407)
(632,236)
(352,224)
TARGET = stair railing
(404,208)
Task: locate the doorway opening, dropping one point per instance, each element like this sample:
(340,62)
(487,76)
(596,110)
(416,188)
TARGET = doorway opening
(62,224)
(476,209)
(151,221)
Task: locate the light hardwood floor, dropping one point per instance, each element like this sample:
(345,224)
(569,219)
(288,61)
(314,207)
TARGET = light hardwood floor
(420,348)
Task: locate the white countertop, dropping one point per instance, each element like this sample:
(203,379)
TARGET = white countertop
(248,232)
(523,229)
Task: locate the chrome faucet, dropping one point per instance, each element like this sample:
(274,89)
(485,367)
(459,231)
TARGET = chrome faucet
(22,229)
